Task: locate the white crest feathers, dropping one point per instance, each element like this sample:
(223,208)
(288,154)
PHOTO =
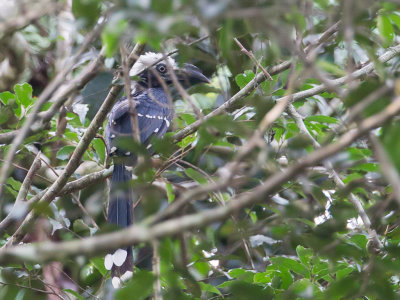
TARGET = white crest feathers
(148,59)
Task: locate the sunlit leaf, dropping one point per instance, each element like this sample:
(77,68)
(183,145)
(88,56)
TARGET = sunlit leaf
(65,152)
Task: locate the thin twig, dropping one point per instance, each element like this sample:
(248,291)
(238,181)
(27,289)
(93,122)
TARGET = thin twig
(182,91)
(31,288)
(253,58)
(156,271)
(128,94)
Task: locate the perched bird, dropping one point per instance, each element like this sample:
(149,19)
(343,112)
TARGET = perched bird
(154,114)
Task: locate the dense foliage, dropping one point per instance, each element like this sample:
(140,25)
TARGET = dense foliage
(268,215)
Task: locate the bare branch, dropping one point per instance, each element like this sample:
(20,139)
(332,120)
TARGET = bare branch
(156,271)
(253,58)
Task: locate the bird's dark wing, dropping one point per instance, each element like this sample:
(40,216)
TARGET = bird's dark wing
(153,119)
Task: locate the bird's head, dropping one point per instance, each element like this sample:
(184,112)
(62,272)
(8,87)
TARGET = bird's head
(150,74)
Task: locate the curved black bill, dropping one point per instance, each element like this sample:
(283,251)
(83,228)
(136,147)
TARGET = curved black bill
(191,75)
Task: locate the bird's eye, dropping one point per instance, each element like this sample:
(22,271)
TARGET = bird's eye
(161,68)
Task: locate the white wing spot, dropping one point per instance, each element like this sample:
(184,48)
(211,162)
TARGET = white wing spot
(128,153)
(140,115)
(126,275)
(166,121)
(116,282)
(113,149)
(108,262)
(156,130)
(112,136)
(119,257)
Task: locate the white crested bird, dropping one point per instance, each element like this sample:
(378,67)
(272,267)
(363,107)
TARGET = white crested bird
(154,114)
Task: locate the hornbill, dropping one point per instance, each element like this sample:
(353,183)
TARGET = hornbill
(154,114)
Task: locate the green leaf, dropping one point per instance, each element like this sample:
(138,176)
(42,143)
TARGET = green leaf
(352,176)
(367,167)
(139,287)
(100,149)
(396,20)
(209,288)
(285,278)
(290,264)
(80,227)
(170,192)
(111,35)
(195,175)
(5,97)
(322,119)
(74,293)
(242,290)
(263,277)
(391,142)
(187,141)
(188,118)
(98,262)
(6,114)
(305,289)
(385,29)
(162,6)
(331,68)
(342,273)
(359,153)
(245,78)
(242,274)
(360,240)
(226,284)
(11,100)
(304,254)
(89,274)
(65,152)
(16,185)
(278,133)
(24,93)
(86,10)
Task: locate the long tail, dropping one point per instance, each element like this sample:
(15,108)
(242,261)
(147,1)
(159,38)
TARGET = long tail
(120,213)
